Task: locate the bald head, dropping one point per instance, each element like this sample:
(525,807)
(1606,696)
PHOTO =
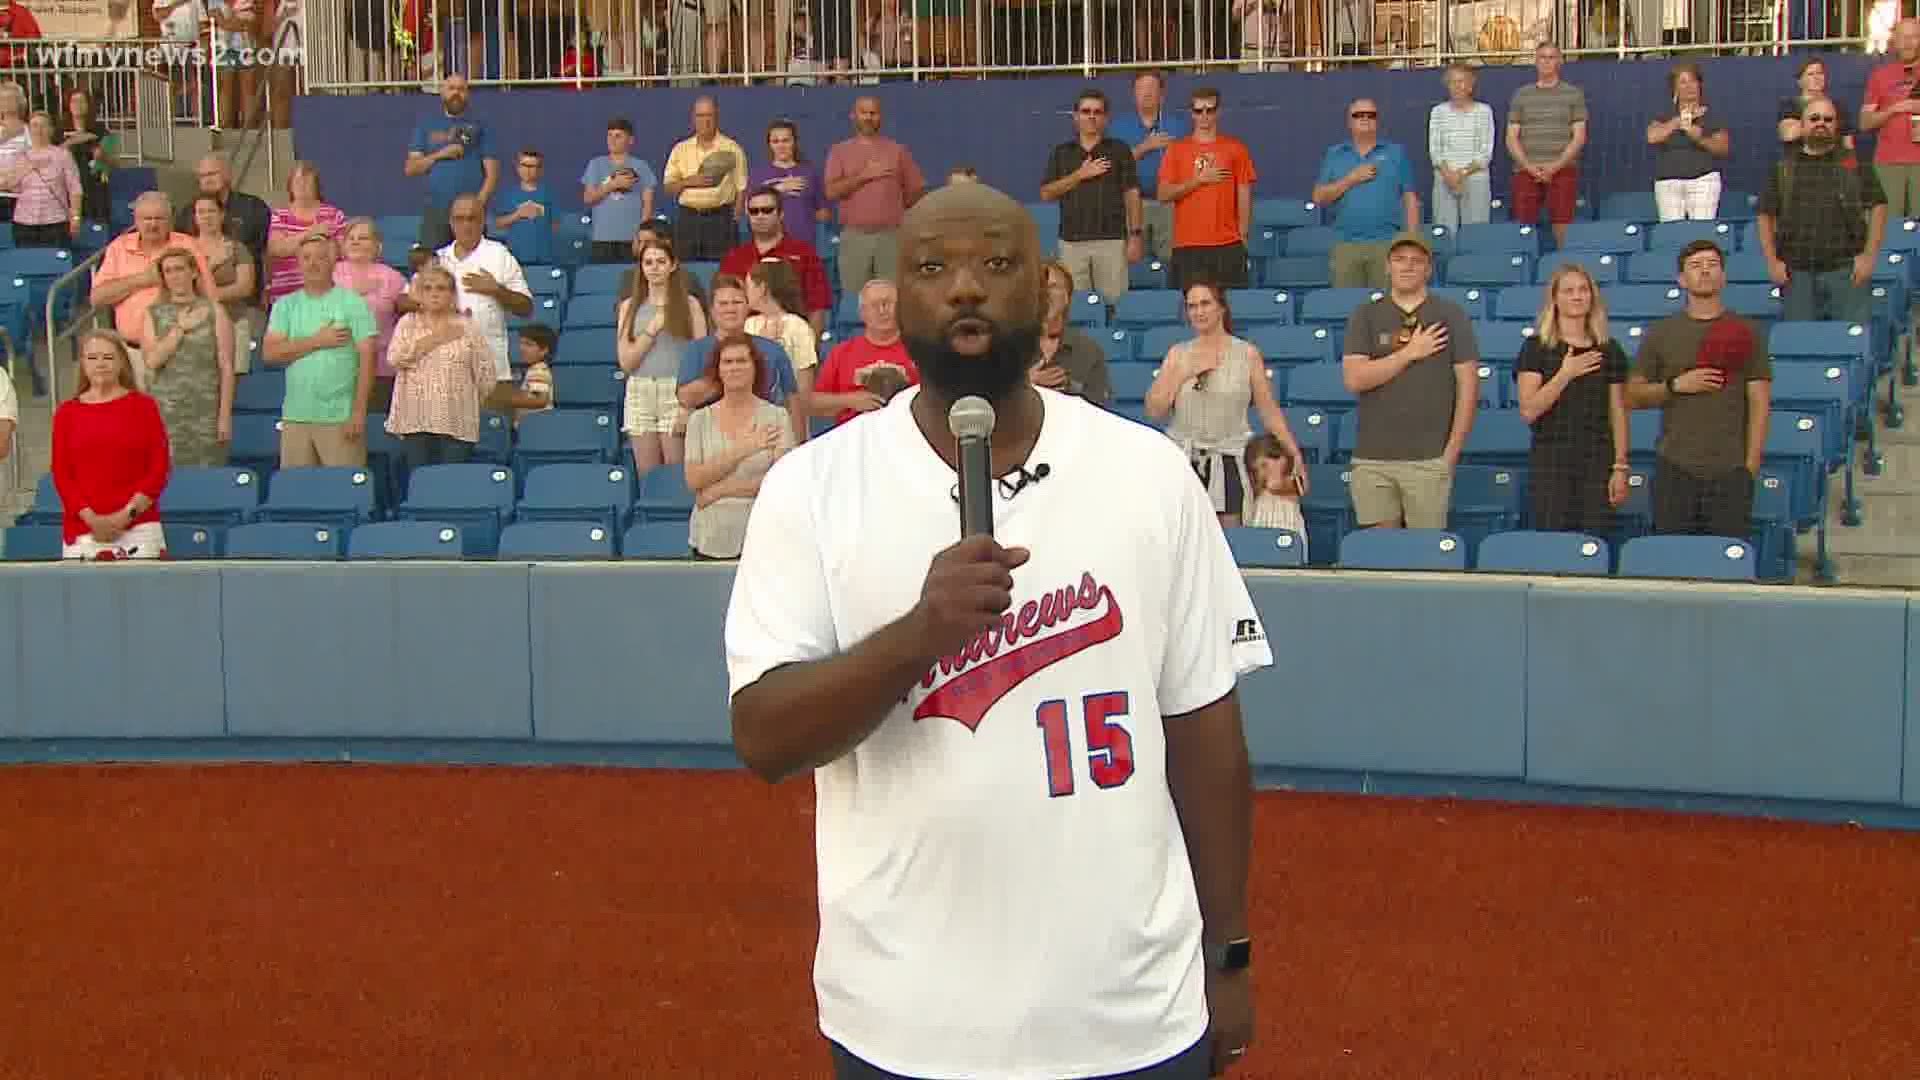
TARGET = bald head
(972,294)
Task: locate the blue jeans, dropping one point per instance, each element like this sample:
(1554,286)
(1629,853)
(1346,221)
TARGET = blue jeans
(1829,295)
(1473,206)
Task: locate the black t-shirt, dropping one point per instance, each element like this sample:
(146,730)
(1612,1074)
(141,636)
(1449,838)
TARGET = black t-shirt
(1577,425)
(1680,158)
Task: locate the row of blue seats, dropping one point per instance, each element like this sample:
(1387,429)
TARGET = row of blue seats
(1715,558)
(384,540)
(1279,212)
(480,498)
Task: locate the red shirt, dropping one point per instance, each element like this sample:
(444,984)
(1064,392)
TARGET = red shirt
(104,454)
(16,22)
(841,373)
(796,253)
(1895,146)
(1208,216)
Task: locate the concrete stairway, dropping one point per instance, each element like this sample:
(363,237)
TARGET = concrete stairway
(1884,549)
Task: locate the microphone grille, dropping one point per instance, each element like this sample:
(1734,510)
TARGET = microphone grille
(971,418)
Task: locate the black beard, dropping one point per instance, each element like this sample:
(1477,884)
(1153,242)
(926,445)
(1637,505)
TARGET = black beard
(994,375)
(1819,145)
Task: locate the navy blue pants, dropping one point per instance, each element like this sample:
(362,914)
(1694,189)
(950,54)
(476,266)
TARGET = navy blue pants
(1192,1064)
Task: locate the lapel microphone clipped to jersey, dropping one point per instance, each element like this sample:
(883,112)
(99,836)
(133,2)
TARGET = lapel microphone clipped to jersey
(971,420)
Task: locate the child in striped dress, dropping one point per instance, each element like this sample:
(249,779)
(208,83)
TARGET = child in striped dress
(1275,500)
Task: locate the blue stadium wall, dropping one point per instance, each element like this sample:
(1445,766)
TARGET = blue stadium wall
(1736,698)
(1004,128)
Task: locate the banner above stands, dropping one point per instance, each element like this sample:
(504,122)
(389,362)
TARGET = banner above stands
(93,20)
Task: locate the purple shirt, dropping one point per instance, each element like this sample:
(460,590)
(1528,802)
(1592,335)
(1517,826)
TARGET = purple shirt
(797,210)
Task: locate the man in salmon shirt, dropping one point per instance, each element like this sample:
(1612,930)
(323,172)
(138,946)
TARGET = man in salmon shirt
(875,180)
(1208,177)
(128,279)
(1893,99)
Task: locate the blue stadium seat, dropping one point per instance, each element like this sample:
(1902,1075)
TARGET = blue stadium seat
(1544,553)
(701,272)
(548,281)
(476,499)
(1715,558)
(405,540)
(31,543)
(1759,303)
(260,391)
(1476,301)
(1671,236)
(573,492)
(1312,429)
(40,268)
(549,438)
(387,460)
(1152,346)
(191,542)
(256,444)
(398,232)
(1825,389)
(1613,237)
(1328,508)
(587,347)
(1747,267)
(1402,549)
(335,496)
(547,310)
(1299,274)
(658,540)
(286,540)
(213,499)
(1738,206)
(496,439)
(1604,268)
(1333,307)
(1499,439)
(1644,303)
(1259,307)
(664,495)
(1131,381)
(585,312)
(1797,447)
(1497,238)
(1651,268)
(1088,311)
(1310,240)
(1518,304)
(1267,549)
(1774,539)
(1286,213)
(1147,309)
(600,389)
(1629,206)
(1290,345)
(1500,342)
(1116,343)
(46,508)
(556,540)
(1147,274)
(1486,500)
(1320,386)
(1489,270)
(599,279)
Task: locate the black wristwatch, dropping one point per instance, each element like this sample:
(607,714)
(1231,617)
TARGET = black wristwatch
(1233,956)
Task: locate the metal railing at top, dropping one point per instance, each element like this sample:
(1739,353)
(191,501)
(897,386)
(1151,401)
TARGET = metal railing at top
(578,43)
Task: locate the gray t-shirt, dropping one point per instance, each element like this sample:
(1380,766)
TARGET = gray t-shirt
(1409,417)
(1546,116)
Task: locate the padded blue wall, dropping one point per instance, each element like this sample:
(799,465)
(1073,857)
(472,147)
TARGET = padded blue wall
(1287,119)
(1521,684)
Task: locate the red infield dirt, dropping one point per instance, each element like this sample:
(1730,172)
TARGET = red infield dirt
(355,921)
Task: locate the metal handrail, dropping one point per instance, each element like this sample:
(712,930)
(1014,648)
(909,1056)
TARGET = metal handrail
(56,335)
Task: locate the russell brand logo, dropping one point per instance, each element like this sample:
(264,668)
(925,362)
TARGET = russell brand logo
(1020,645)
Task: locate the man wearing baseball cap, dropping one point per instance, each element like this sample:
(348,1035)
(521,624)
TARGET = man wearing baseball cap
(1706,370)
(1412,361)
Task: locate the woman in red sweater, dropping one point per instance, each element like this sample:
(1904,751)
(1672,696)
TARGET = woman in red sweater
(110,459)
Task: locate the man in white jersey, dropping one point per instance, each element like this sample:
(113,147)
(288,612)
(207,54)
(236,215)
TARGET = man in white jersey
(1034,807)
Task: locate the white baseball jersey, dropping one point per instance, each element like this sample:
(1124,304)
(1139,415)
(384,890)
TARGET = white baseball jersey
(1004,886)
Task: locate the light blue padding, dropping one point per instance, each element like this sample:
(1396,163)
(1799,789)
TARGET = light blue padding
(110,651)
(1912,793)
(1393,675)
(630,653)
(319,650)
(1719,690)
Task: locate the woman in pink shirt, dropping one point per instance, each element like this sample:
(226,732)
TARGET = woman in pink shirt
(304,213)
(47,211)
(443,369)
(382,287)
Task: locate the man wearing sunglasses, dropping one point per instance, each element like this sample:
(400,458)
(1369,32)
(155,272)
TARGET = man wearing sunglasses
(1208,177)
(766,220)
(1820,223)
(1369,184)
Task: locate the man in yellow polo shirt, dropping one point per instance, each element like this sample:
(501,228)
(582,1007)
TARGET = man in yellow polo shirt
(708,185)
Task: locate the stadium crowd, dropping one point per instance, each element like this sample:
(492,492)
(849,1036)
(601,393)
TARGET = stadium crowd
(723,375)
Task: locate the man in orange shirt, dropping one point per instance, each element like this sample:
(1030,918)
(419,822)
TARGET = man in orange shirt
(1208,178)
(128,278)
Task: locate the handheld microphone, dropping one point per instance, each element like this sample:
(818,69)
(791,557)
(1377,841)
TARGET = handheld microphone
(971,421)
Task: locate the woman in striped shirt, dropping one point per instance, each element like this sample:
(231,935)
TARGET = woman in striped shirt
(47,210)
(306,213)
(1460,144)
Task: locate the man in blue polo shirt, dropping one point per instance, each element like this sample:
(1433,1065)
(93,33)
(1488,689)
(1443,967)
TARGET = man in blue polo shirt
(455,153)
(1369,184)
(1149,130)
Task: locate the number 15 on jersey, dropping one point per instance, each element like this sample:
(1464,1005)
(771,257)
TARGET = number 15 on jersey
(1109,746)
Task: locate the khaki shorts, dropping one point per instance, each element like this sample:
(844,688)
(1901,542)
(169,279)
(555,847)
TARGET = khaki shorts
(303,446)
(1414,494)
(1098,266)
(653,406)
